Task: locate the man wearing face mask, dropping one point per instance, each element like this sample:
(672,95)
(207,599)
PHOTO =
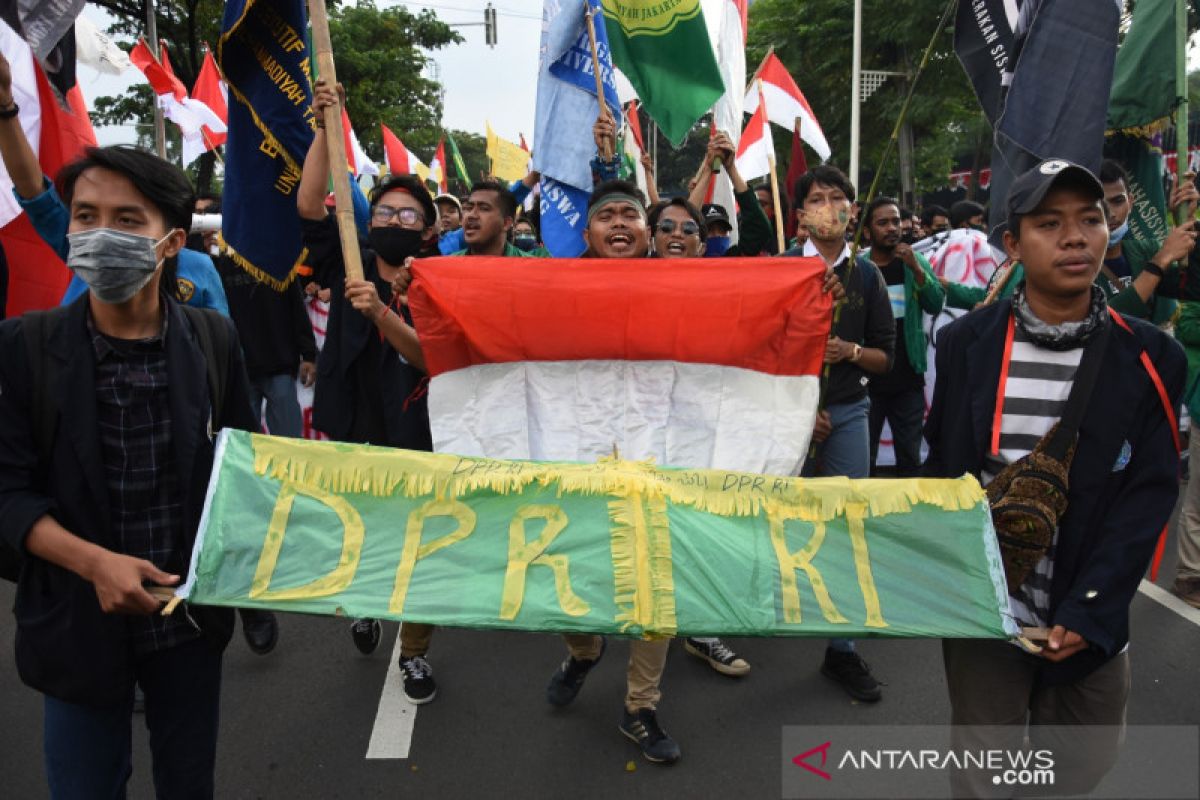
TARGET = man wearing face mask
(192,279)
(107,413)
(525,238)
(862,345)
(371,380)
(967,214)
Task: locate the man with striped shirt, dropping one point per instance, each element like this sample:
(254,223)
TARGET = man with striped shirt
(1004,373)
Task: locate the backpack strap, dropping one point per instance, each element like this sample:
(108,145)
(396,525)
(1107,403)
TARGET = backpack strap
(213,333)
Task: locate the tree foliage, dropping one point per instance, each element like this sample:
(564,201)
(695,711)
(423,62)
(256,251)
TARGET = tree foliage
(813,39)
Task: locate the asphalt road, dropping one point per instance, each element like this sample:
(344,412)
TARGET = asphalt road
(298,722)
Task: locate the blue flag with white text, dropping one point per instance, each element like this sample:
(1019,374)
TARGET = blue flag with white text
(566,109)
(263,54)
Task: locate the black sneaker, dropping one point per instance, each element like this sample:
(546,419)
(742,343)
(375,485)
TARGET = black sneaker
(366,633)
(261,630)
(643,729)
(419,686)
(853,674)
(568,680)
(718,655)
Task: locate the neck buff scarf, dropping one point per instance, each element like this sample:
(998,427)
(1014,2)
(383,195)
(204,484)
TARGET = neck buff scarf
(1066,336)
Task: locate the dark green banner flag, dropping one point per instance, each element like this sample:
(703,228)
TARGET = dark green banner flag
(615,547)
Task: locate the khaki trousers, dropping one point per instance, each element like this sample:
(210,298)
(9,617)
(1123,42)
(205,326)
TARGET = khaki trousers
(644,675)
(992,682)
(1189,514)
(414,639)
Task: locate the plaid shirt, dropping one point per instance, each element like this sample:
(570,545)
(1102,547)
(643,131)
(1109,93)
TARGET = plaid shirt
(133,413)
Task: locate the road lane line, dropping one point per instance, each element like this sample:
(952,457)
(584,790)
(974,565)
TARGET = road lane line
(1170,601)
(394,721)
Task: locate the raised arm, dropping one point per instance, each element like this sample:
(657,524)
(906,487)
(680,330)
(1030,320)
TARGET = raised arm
(314,179)
(19,158)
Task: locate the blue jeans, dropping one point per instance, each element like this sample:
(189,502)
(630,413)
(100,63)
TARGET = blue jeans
(846,452)
(283,408)
(88,750)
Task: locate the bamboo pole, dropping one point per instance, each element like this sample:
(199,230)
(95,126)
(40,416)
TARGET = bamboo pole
(1181,91)
(605,153)
(336,143)
(778,207)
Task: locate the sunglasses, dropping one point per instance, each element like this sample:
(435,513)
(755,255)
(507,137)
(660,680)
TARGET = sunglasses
(689,228)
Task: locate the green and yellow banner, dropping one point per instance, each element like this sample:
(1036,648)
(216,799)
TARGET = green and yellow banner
(615,547)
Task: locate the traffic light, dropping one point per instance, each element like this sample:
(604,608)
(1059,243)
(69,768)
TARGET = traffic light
(489,25)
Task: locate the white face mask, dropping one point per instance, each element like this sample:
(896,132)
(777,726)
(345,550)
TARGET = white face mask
(1117,234)
(115,265)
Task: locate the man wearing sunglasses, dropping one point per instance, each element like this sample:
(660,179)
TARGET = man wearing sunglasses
(677,229)
(371,374)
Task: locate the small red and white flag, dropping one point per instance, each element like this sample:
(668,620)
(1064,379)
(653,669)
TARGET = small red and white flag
(399,159)
(191,115)
(437,168)
(58,135)
(686,361)
(756,151)
(726,20)
(360,163)
(786,103)
(213,92)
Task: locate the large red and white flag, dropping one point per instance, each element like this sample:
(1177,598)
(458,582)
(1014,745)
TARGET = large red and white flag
(686,361)
(213,92)
(399,159)
(58,135)
(360,162)
(192,116)
(756,151)
(786,104)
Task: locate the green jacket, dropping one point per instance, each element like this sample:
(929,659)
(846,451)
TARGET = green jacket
(512,251)
(926,299)
(1125,301)
(754,230)
(1187,331)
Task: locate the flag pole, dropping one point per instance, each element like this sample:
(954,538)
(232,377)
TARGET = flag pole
(591,28)
(770,143)
(1181,91)
(160,127)
(336,142)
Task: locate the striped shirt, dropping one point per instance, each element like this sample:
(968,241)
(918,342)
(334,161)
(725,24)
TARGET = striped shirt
(1035,396)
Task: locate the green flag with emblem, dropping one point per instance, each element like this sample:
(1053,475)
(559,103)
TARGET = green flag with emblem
(460,166)
(664,50)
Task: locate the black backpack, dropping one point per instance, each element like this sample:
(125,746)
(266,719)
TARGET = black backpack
(212,331)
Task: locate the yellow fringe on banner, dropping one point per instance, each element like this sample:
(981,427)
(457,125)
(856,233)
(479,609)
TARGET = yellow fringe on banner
(384,472)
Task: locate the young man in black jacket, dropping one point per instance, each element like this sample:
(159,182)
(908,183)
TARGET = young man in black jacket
(371,373)
(107,504)
(1004,373)
(862,344)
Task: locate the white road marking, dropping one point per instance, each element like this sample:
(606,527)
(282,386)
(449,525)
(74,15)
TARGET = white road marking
(394,721)
(1170,601)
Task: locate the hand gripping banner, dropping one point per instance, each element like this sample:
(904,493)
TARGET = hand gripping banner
(614,547)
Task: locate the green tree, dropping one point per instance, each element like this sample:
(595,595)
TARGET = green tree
(378,55)
(813,40)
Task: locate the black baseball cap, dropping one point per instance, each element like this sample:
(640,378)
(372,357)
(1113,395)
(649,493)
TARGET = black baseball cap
(715,213)
(1030,187)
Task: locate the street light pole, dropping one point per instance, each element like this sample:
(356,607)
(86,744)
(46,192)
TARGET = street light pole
(855,92)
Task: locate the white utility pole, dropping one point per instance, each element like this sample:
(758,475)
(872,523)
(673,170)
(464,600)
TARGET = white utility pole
(855,93)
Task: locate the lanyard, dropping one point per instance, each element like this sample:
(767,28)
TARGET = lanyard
(393,305)
(999,416)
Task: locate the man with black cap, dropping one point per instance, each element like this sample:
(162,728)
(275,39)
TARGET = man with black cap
(1006,380)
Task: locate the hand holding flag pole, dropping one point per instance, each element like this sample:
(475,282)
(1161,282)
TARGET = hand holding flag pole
(347,230)
(605,147)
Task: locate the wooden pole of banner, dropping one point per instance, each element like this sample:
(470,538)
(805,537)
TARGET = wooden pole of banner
(770,143)
(605,153)
(336,142)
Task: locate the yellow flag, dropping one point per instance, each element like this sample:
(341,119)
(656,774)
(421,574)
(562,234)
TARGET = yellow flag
(509,161)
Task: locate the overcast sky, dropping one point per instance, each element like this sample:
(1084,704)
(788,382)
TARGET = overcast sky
(481,83)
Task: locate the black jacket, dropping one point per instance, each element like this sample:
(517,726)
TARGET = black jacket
(66,646)
(350,338)
(1114,513)
(273,327)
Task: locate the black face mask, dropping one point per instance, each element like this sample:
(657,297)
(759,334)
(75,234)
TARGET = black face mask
(394,244)
(907,237)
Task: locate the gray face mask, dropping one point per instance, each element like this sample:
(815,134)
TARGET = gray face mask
(115,265)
